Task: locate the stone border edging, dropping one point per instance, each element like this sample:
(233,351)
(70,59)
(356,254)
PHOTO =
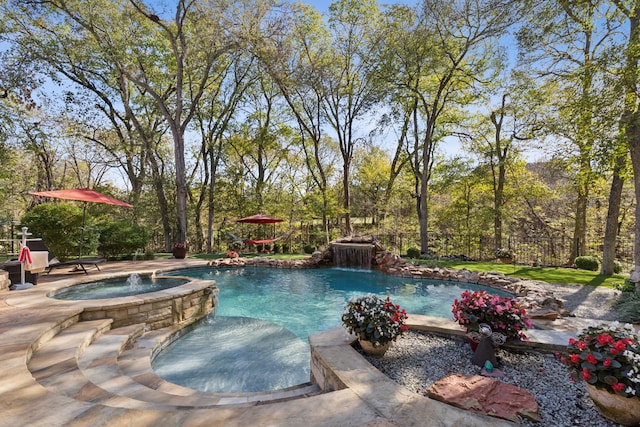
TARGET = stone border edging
(336,365)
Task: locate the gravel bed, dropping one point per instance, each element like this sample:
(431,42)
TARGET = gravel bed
(418,359)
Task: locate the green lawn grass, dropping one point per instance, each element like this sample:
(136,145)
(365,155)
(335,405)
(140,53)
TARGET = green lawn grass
(545,274)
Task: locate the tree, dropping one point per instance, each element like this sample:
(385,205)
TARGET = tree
(570,43)
(370,177)
(350,90)
(169,61)
(213,118)
(447,56)
(630,119)
(498,138)
(297,63)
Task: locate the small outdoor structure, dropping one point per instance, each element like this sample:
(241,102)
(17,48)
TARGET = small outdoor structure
(260,219)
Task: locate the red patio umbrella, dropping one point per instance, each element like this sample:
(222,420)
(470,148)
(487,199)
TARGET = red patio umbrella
(82,195)
(260,219)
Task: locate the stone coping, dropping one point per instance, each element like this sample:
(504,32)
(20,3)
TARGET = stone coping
(336,365)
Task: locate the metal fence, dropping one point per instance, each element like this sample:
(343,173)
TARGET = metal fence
(547,251)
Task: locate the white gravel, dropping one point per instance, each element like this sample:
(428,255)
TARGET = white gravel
(417,360)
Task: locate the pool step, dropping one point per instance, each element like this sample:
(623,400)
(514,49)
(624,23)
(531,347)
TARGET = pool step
(135,363)
(54,364)
(91,363)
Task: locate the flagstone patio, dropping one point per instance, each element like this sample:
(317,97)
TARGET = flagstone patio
(62,367)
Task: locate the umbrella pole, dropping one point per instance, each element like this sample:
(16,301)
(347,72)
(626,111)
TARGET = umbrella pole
(84,213)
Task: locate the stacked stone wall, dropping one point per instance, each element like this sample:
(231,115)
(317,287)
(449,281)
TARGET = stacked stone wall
(160,310)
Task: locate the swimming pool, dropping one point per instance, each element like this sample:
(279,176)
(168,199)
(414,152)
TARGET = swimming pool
(118,287)
(257,338)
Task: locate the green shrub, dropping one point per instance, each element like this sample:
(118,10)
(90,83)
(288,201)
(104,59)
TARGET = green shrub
(121,239)
(60,226)
(625,286)
(590,263)
(413,252)
(276,248)
(617,267)
(628,307)
(308,249)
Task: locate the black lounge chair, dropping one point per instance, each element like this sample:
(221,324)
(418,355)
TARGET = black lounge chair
(80,264)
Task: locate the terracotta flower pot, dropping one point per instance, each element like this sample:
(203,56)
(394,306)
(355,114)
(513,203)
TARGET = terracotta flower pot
(620,409)
(372,351)
(179,253)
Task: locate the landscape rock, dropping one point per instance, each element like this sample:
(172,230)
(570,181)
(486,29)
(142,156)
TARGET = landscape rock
(485,396)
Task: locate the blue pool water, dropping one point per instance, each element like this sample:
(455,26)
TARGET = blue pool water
(257,338)
(118,287)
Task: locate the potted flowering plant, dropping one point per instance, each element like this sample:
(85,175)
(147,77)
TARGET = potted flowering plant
(179,250)
(503,314)
(375,321)
(607,357)
(504,255)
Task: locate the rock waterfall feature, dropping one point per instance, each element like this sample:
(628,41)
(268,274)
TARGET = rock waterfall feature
(352,255)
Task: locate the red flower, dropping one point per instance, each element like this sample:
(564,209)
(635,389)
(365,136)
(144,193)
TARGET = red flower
(617,387)
(604,339)
(607,362)
(575,358)
(591,359)
(582,345)
(620,345)
(586,374)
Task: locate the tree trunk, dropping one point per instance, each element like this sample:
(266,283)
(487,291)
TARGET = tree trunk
(630,120)
(498,202)
(162,201)
(347,198)
(611,228)
(578,246)
(633,133)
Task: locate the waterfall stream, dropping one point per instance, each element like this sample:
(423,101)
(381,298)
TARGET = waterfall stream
(352,255)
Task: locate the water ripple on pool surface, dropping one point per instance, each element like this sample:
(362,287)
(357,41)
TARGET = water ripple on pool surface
(222,354)
(118,287)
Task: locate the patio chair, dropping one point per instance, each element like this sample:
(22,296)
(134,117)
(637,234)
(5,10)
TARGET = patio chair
(80,264)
